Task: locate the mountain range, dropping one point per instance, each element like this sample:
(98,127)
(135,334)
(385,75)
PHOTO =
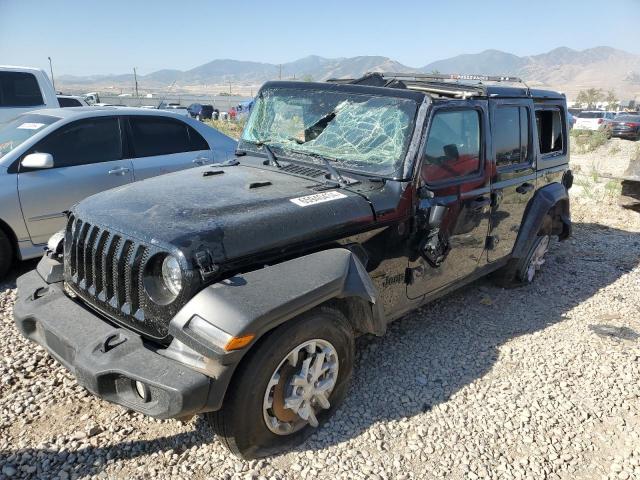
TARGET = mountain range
(562,69)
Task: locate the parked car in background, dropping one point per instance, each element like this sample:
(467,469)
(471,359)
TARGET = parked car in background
(71,101)
(92,98)
(51,159)
(594,120)
(626,126)
(23,89)
(200,112)
(179,109)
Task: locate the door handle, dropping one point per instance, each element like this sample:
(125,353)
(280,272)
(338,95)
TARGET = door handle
(525,188)
(480,203)
(119,171)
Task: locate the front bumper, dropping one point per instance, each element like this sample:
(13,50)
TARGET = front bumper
(108,360)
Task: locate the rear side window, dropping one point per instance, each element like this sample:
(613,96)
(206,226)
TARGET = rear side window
(19,89)
(511,135)
(453,145)
(196,142)
(158,136)
(83,142)
(69,102)
(550,132)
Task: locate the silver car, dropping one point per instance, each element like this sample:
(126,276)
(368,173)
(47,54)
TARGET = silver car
(51,159)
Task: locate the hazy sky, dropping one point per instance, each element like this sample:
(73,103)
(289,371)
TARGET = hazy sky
(91,37)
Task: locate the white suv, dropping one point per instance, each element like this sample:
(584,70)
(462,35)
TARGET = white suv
(23,89)
(594,120)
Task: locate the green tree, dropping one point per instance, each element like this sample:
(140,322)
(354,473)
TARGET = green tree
(590,97)
(611,99)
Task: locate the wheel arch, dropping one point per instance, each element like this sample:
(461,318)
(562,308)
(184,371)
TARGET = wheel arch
(257,302)
(548,213)
(13,239)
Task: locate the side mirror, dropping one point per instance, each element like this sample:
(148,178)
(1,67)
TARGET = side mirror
(38,160)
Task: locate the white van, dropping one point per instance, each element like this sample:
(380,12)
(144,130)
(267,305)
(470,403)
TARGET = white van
(23,89)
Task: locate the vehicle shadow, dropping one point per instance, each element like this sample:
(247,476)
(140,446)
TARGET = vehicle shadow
(429,355)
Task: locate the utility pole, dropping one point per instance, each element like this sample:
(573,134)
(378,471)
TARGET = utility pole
(229,87)
(51,68)
(135,79)
(280,74)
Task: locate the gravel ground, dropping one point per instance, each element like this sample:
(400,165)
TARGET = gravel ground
(540,382)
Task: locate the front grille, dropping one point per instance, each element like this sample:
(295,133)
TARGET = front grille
(106,270)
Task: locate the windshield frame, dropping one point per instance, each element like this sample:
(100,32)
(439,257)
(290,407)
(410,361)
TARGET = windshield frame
(399,170)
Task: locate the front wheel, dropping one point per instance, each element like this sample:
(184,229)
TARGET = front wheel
(293,382)
(199,118)
(6,254)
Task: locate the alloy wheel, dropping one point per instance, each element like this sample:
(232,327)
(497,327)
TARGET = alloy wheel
(300,387)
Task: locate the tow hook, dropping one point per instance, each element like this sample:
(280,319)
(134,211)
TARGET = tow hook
(112,341)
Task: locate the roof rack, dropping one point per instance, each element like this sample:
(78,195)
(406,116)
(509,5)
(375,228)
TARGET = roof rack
(449,85)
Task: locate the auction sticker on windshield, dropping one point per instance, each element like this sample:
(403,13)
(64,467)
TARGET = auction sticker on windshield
(318,198)
(31,126)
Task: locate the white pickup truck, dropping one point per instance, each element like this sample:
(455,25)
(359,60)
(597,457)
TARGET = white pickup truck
(23,89)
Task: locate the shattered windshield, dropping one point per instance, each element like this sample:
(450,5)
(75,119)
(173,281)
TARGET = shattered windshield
(359,132)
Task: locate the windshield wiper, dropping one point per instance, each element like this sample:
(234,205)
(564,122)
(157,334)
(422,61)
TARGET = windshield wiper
(332,170)
(270,155)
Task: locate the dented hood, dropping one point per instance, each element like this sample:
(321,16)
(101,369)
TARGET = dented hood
(232,211)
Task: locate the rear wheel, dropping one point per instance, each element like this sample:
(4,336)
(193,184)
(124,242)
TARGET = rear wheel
(536,258)
(293,382)
(523,271)
(6,254)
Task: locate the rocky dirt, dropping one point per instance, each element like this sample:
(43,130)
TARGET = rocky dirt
(541,382)
(608,160)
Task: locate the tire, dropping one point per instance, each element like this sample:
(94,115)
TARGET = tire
(198,118)
(242,422)
(6,254)
(524,270)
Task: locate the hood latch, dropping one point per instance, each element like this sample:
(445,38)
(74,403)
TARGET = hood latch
(207,267)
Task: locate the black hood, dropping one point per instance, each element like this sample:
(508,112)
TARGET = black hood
(232,211)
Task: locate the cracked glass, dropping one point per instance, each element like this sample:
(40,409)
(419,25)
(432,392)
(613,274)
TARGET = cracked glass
(358,132)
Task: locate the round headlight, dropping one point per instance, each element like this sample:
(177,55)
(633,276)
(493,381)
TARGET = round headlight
(172,275)
(163,279)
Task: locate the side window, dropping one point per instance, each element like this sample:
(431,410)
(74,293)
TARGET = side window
(83,142)
(19,89)
(453,145)
(158,136)
(550,135)
(511,135)
(69,102)
(196,141)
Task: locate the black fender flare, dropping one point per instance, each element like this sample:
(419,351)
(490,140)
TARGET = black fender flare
(255,302)
(553,196)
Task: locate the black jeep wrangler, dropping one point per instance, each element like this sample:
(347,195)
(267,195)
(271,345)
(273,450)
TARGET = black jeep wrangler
(236,290)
